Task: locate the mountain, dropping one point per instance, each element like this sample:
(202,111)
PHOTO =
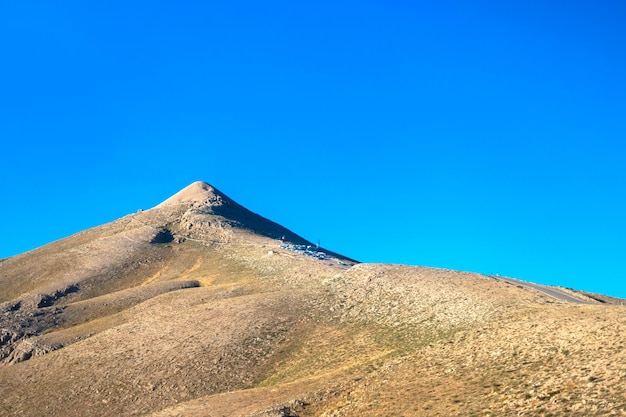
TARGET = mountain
(199,307)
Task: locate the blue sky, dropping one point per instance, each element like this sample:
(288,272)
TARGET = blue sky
(471,135)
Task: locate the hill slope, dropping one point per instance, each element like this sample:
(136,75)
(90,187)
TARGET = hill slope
(199,307)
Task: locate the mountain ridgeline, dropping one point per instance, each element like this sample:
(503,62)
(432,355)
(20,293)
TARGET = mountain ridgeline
(200,307)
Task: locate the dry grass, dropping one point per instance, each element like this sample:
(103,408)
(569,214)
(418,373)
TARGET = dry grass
(221,321)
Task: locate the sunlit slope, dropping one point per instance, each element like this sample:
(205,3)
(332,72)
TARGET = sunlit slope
(194,308)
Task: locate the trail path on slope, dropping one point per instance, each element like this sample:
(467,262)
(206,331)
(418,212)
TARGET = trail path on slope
(549,291)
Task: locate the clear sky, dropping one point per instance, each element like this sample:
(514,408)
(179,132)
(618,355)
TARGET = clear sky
(475,135)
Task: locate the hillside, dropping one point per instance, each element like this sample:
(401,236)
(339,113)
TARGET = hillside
(199,307)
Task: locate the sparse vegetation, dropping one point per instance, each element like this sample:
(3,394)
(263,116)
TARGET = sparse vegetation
(213,318)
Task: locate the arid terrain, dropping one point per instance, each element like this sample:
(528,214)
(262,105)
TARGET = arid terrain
(199,307)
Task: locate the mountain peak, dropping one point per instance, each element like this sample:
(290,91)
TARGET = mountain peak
(212,202)
(197,192)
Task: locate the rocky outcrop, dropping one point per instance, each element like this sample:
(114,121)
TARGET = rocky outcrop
(28,348)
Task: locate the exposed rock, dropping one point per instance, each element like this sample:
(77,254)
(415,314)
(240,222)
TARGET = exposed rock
(28,348)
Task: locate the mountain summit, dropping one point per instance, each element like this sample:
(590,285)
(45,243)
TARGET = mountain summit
(198,192)
(200,307)
(201,209)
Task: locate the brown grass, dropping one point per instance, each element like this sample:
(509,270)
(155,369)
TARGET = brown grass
(221,321)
